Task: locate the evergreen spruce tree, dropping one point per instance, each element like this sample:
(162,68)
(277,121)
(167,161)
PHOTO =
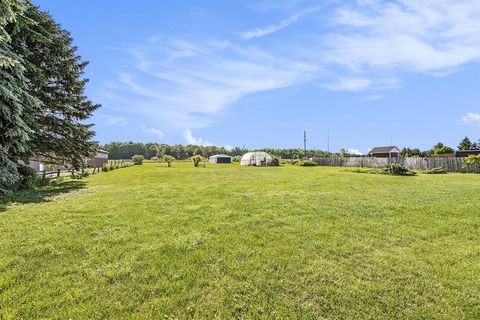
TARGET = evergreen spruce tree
(15,101)
(55,73)
(465,144)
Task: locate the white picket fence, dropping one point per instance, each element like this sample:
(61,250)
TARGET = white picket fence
(451,164)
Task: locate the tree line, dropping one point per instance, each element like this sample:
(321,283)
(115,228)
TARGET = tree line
(126,150)
(441,149)
(43,107)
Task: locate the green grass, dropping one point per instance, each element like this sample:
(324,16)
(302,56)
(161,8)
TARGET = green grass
(149,242)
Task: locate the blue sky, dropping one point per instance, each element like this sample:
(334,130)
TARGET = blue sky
(258,73)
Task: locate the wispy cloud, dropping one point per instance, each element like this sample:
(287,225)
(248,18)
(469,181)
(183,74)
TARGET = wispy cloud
(348,84)
(152,131)
(185,83)
(189,91)
(260,32)
(471,118)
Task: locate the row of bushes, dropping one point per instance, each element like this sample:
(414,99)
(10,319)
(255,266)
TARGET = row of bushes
(113,165)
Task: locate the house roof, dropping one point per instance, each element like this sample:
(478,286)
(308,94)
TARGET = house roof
(102,151)
(389,149)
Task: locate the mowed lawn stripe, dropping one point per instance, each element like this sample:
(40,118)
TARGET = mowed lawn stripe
(232,242)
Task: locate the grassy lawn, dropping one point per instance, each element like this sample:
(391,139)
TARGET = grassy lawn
(226,242)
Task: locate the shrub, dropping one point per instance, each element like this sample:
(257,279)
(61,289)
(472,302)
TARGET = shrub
(295,162)
(105,169)
(305,163)
(28,177)
(472,160)
(436,171)
(168,159)
(137,159)
(197,160)
(275,162)
(237,159)
(443,150)
(396,169)
(155,159)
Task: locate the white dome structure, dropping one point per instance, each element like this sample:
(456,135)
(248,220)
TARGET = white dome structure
(257,158)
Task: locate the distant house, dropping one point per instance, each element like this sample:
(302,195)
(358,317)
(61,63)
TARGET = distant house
(100,159)
(466,153)
(220,158)
(385,152)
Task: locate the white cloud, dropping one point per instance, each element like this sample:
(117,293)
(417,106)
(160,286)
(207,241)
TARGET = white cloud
(471,118)
(348,84)
(260,32)
(354,151)
(190,139)
(181,83)
(421,36)
(192,90)
(153,131)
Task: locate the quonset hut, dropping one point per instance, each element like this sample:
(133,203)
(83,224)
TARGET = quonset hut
(257,158)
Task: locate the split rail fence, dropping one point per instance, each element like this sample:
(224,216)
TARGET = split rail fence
(64,172)
(449,164)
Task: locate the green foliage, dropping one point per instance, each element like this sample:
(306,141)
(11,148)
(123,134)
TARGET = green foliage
(105,168)
(155,159)
(443,150)
(168,159)
(465,144)
(197,160)
(472,160)
(55,78)
(275,162)
(137,159)
(396,169)
(16,102)
(407,152)
(28,177)
(8,173)
(439,170)
(237,158)
(305,163)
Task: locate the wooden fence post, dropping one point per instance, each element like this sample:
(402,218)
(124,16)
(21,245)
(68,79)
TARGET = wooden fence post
(44,174)
(58,173)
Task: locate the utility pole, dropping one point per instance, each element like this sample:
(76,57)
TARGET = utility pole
(305,144)
(328,141)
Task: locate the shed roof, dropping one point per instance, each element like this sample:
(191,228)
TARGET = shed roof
(102,151)
(389,149)
(221,156)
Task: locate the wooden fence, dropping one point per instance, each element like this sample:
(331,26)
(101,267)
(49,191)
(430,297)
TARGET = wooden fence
(449,164)
(63,172)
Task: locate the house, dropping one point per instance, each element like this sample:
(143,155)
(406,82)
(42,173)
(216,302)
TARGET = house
(100,159)
(466,153)
(385,152)
(220,158)
(36,165)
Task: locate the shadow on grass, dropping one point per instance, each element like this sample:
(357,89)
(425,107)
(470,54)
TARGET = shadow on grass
(40,194)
